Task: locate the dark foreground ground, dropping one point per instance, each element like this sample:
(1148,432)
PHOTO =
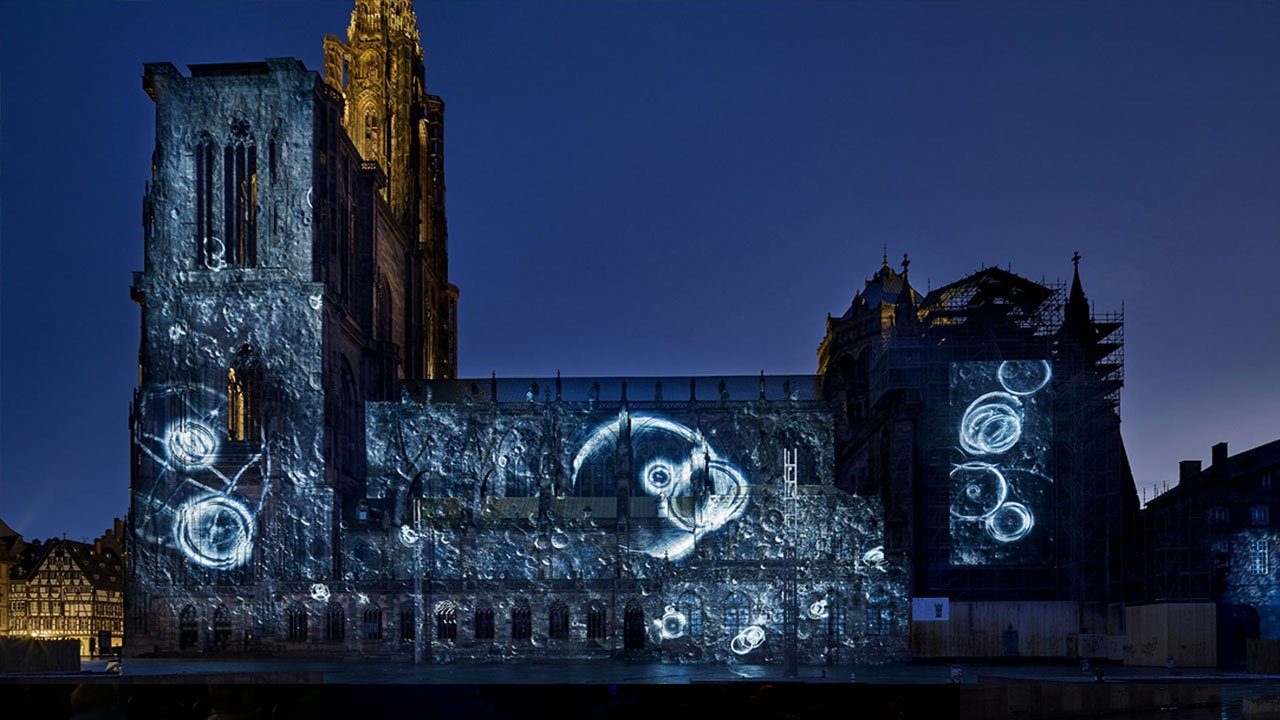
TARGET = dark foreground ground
(269,689)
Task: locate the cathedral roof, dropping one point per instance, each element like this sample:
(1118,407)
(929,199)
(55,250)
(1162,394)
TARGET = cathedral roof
(885,287)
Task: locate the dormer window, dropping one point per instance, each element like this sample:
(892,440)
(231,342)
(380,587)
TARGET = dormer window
(1259,515)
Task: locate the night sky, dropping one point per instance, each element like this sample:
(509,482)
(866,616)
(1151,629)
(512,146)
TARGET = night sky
(667,188)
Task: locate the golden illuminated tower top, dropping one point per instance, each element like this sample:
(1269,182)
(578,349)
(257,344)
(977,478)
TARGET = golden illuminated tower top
(392,120)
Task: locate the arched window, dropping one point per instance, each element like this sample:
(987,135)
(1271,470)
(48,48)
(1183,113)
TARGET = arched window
(382,327)
(446,621)
(372,623)
(690,606)
(222,627)
(210,251)
(597,621)
(558,620)
(633,628)
(484,623)
(521,621)
(737,615)
(296,619)
(188,627)
(407,624)
(877,620)
(244,396)
(347,413)
(240,208)
(335,624)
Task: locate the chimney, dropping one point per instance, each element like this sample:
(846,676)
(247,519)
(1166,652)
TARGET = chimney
(1187,471)
(1220,456)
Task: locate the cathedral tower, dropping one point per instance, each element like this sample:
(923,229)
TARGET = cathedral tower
(393,121)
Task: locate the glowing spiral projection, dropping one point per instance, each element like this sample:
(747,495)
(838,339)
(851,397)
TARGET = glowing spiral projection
(215,531)
(190,444)
(320,592)
(667,453)
(1024,377)
(1011,521)
(979,490)
(992,424)
(749,639)
(673,623)
(818,610)
(408,536)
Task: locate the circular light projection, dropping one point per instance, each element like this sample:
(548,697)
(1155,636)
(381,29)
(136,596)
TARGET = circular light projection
(408,536)
(658,476)
(818,610)
(667,453)
(190,444)
(214,531)
(992,424)
(1024,377)
(1011,521)
(673,623)
(320,592)
(749,639)
(980,489)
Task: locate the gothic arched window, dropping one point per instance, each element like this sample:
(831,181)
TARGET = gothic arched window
(296,620)
(633,627)
(335,624)
(597,621)
(691,607)
(558,621)
(244,396)
(521,621)
(407,624)
(737,615)
(240,207)
(346,439)
(188,627)
(372,623)
(210,252)
(484,623)
(222,627)
(446,621)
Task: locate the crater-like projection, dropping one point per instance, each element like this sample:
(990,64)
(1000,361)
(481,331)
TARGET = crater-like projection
(1000,477)
(667,454)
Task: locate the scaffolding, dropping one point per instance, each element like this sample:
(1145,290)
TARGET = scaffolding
(995,315)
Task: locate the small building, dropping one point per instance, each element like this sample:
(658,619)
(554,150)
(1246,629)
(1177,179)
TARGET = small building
(1215,536)
(64,589)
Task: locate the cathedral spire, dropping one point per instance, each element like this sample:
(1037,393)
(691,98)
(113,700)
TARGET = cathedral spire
(1077,322)
(905,309)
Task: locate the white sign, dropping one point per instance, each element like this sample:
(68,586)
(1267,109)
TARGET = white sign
(930,609)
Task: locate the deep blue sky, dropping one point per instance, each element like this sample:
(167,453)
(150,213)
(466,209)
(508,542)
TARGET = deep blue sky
(661,187)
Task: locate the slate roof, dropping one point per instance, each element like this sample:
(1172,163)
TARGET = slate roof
(104,570)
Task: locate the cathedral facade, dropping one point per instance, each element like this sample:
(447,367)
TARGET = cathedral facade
(310,478)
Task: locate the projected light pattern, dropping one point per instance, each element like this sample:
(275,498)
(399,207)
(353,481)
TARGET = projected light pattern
(749,639)
(668,453)
(992,424)
(214,531)
(1010,522)
(1000,479)
(203,512)
(190,444)
(673,623)
(983,490)
(1024,377)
